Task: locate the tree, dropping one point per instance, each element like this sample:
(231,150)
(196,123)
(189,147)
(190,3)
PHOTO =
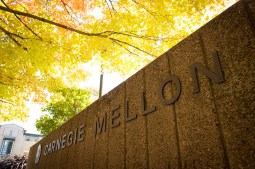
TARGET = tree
(65,104)
(44,43)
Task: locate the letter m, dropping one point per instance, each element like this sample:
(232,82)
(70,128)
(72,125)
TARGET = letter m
(100,126)
(217,77)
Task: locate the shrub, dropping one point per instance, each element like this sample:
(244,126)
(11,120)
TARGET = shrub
(13,162)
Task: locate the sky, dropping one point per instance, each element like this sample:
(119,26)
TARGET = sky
(29,124)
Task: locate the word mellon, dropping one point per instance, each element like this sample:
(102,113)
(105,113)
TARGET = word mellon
(216,76)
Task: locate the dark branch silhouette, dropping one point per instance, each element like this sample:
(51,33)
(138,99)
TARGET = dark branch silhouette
(22,21)
(105,34)
(9,34)
(7,102)
(49,22)
(142,6)
(66,6)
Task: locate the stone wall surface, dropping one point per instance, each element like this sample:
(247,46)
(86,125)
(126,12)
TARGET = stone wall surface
(211,128)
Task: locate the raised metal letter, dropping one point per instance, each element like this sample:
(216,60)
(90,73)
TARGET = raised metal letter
(63,143)
(70,138)
(81,132)
(217,77)
(143,104)
(59,141)
(115,114)
(99,127)
(134,116)
(53,146)
(45,150)
(75,136)
(177,82)
(49,148)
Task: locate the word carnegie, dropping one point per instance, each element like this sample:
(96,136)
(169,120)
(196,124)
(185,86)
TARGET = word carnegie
(65,141)
(114,121)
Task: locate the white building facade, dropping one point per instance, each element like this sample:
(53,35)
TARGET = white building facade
(15,140)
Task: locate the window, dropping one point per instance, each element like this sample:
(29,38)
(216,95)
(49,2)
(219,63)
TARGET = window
(6,147)
(32,138)
(27,138)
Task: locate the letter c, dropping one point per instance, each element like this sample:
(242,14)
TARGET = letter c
(46,150)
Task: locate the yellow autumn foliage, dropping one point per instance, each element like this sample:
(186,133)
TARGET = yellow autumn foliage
(37,57)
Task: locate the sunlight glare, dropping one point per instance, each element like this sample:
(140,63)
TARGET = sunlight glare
(97,13)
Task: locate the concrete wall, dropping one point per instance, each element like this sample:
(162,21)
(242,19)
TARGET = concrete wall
(212,128)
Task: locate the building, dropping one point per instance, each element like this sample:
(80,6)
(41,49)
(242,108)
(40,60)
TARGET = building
(15,140)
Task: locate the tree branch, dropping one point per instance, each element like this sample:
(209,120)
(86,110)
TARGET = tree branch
(65,6)
(22,21)
(5,84)
(18,36)
(49,22)
(12,78)
(125,48)
(112,6)
(123,42)
(151,13)
(101,35)
(3,101)
(124,7)
(9,34)
(108,7)
(154,38)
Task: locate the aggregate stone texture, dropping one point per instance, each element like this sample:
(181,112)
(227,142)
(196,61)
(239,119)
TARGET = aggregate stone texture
(59,133)
(196,122)
(79,147)
(116,149)
(135,130)
(72,151)
(234,100)
(52,157)
(90,142)
(161,131)
(101,146)
(250,10)
(64,152)
(213,128)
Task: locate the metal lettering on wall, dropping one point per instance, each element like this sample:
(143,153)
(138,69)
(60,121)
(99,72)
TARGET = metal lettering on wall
(77,135)
(65,141)
(217,77)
